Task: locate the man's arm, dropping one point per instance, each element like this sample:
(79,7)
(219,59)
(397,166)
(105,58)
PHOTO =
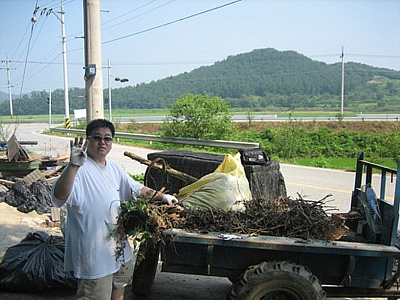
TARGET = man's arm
(148,193)
(63,186)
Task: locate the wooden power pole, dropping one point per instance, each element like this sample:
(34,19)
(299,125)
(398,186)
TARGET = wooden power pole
(93,61)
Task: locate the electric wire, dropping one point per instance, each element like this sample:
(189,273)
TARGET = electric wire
(172,22)
(127,13)
(145,12)
(46,57)
(153,28)
(44,67)
(20,42)
(27,54)
(38,31)
(72,36)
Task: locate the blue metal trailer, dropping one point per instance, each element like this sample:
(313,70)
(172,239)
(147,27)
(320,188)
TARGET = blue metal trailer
(267,267)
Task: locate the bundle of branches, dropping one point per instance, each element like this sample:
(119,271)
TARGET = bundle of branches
(283,217)
(141,219)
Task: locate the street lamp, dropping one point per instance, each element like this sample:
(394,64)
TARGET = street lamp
(109,87)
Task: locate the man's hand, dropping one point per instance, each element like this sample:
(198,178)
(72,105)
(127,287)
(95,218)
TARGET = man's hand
(78,152)
(169,199)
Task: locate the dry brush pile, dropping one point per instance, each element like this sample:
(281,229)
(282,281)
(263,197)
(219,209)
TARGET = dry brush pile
(284,217)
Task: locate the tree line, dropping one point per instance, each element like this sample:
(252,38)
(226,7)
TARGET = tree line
(264,79)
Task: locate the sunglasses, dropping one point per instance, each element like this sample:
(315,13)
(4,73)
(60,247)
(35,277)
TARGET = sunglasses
(98,138)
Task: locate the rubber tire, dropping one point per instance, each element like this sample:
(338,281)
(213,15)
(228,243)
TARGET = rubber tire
(145,268)
(276,281)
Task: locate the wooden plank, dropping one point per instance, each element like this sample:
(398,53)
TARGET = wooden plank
(15,151)
(7,181)
(183,176)
(33,176)
(12,147)
(51,171)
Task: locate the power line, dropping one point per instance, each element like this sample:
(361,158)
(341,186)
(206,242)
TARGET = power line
(127,13)
(146,12)
(44,67)
(44,62)
(147,63)
(172,22)
(22,39)
(27,53)
(374,55)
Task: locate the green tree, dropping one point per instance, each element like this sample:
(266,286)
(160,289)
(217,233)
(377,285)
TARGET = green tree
(198,116)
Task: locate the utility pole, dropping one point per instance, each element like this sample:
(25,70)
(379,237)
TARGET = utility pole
(49,108)
(9,88)
(342,96)
(93,61)
(64,53)
(109,91)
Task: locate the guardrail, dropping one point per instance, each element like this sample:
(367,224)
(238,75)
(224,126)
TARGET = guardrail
(156,138)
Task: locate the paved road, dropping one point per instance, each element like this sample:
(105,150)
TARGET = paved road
(241,118)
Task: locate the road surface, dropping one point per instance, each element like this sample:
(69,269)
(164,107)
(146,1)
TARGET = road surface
(242,118)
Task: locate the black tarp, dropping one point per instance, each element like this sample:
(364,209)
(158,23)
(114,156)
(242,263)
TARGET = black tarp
(35,264)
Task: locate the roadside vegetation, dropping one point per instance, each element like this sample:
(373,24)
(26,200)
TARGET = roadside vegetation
(320,144)
(332,144)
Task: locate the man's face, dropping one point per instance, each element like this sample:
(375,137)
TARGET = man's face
(100,143)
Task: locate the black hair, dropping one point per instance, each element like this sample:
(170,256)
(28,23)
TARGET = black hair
(99,123)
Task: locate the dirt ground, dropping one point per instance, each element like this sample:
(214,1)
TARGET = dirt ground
(14,226)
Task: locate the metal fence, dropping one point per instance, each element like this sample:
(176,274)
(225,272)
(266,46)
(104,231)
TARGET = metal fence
(175,140)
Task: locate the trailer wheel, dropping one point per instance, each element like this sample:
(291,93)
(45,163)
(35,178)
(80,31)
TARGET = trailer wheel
(277,281)
(145,268)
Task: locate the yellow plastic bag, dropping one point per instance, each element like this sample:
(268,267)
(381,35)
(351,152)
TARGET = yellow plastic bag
(226,188)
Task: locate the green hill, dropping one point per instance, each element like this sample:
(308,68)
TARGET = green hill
(3,96)
(259,80)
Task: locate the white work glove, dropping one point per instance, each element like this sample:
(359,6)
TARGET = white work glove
(78,152)
(169,199)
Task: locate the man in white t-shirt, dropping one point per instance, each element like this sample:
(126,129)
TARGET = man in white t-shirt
(92,186)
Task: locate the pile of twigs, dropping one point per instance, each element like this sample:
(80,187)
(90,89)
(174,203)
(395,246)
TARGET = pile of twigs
(283,217)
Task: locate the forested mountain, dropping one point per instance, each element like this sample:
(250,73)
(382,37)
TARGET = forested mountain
(3,96)
(262,79)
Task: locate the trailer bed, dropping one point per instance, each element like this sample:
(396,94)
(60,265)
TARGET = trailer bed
(339,263)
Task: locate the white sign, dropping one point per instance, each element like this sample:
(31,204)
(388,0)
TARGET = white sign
(80,113)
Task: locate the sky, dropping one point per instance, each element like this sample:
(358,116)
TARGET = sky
(148,40)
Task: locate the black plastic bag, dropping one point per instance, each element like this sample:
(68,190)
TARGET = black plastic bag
(35,264)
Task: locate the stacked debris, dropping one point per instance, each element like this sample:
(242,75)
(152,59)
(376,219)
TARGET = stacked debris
(285,217)
(27,198)
(14,150)
(24,181)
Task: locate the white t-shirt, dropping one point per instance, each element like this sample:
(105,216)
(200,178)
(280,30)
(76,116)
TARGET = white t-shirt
(93,206)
